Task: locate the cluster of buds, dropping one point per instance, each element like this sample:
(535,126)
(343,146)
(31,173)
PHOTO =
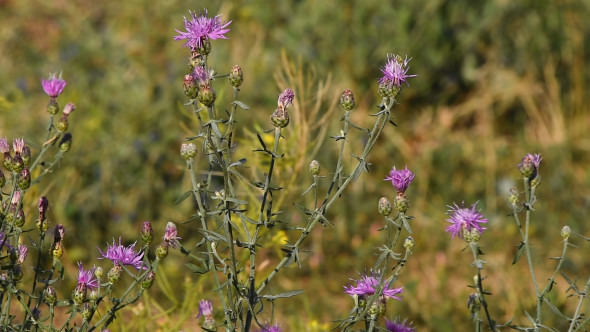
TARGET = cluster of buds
(280,117)
(58,238)
(16,164)
(529,168)
(200,86)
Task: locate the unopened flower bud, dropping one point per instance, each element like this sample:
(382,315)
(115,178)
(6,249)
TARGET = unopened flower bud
(149,280)
(79,293)
(280,118)
(147,232)
(191,89)
(401,202)
(114,275)
(7,163)
(347,100)
(566,231)
(513,196)
(384,207)
(98,272)
(66,142)
(206,95)
(52,106)
(161,251)
(62,123)
(409,243)
(535,181)
(70,107)
(24,179)
(17,163)
(17,273)
(188,151)
(19,219)
(93,295)
(86,312)
(26,155)
(50,295)
(236,77)
(57,250)
(314,167)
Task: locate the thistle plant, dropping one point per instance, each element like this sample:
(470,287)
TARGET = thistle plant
(234,227)
(34,287)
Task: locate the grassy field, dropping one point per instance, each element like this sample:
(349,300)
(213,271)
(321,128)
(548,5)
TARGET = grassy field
(496,80)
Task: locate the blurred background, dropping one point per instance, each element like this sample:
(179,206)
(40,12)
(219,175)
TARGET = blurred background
(496,80)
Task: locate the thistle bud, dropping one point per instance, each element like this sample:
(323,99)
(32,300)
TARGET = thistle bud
(70,107)
(147,232)
(566,231)
(86,311)
(384,207)
(62,123)
(191,89)
(57,250)
(513,196)
(401,202)
(50,295)
(114,275)
(98,272)
(161,251)
(52,106)
(17,273)
(188,151)
(314,167)
(280,118)
(7,163)
(79,293)
(206,95)
(236,77)
(409,243)
(24,180)
(19,219)
(93,295)
(66,142)
(17,163)
(535,181)
(149,280)
(347,100)
(26,155)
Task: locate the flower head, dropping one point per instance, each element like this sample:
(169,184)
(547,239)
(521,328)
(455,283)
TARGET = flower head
(368,284)
(119,254)
(70,107)
(201,28)
(530,164)
(398,326)
(171,236)
(4,147)
(400,179)
(271,328)
(205,308)
(86,277)
(462,218)
(18,145)
(53,86)
(286,98)
(395,71)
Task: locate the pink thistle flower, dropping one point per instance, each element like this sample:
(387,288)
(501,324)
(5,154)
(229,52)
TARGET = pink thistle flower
(53,86)
(4,147)
(86,277)
(18,145)
(202,28)
(286,98)
(205,308)
(119,254)
(171,236)
(464,218)
(367,286)
(395,71)
(398,326)
(70,107)
(400,179)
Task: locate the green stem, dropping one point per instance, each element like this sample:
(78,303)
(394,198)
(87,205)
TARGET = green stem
(581,297)
(479,285)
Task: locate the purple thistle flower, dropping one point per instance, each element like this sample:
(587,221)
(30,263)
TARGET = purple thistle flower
(86,277)
(202,28)
(53,86)
(400,179)
(395,71)
(367,285)
(201,75)
(271,328)
(286,98)
(205,308)
(18,145)
(171,236)
(464,218)
(4,147)
(398,326)
(119,254)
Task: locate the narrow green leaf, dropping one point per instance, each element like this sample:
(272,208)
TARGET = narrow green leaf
(242,105)
(283,295)
(183,197)
(519,253)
